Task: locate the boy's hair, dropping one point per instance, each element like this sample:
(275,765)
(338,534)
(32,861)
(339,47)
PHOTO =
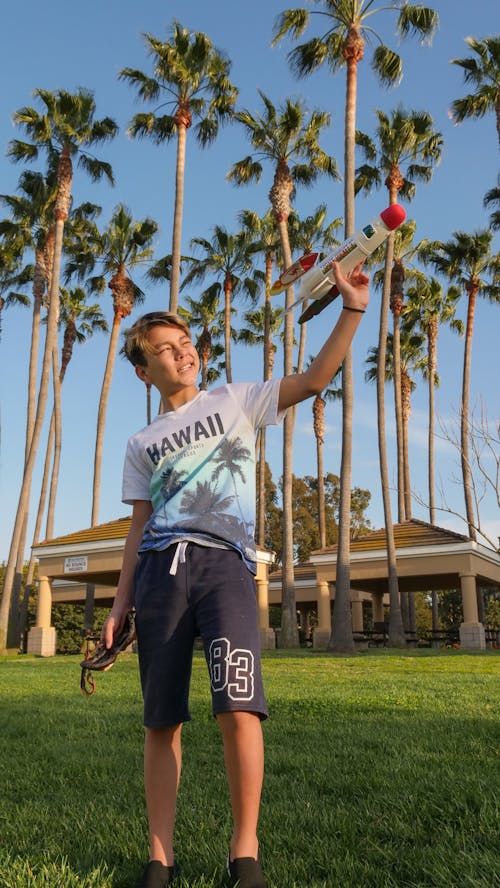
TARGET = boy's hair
(137,344)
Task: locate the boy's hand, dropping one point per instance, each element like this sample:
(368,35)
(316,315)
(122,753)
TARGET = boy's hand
(112,627)
(353,287)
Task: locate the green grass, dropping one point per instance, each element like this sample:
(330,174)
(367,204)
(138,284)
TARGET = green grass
(381,771)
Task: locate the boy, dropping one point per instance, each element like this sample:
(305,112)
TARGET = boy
(189,561)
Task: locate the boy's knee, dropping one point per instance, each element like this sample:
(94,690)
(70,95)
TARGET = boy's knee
(163,735)
(233,722)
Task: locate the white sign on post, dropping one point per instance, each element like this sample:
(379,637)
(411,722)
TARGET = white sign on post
(75,564)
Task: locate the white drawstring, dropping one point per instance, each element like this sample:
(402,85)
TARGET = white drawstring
(179,557)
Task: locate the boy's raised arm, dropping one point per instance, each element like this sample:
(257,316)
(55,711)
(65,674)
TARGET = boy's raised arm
(355,295)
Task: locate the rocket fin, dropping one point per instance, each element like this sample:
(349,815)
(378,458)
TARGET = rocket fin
(293,273)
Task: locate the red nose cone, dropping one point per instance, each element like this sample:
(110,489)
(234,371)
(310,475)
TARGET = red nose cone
(393,216)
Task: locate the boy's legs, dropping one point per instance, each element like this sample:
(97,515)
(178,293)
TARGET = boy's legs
(226,614)
(244,760)
(165,635)
(162,771)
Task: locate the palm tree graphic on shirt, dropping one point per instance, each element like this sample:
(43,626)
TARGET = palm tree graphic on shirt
(208,507)
(171,482)
(230,454)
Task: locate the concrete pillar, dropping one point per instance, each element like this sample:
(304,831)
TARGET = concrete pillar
(357,613)
(267,635)
(42,638)
(321,635)
(472,635)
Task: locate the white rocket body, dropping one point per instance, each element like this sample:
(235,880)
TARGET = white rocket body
(320,279)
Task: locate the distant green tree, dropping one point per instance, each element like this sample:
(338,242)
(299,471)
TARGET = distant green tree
(305,515)
(450,609)
(68,620)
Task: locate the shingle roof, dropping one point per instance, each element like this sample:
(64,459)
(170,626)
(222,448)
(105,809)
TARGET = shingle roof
(112,530)
(407,534)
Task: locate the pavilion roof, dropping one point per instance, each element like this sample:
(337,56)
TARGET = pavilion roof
(408,533)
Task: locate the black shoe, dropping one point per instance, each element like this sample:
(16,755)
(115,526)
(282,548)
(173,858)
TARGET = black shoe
(157,875)
(246,872)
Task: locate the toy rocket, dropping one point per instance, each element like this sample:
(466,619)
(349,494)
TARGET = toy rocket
(317,279)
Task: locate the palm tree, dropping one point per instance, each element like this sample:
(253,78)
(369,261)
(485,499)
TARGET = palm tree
(492,198)
(204,313)
(12,274)
(288,139)
(318,409)
(406,140)
(409,147)
(254,332)
(410,356)
(31,223)
(266,241)
(66,128)
(191,78)
(404,250)
(228,257)
(467,260)
(124,245)
(428,309)
(483,72)
(306,236)
(261,326)
(342,43)
(261,230)
(80,321)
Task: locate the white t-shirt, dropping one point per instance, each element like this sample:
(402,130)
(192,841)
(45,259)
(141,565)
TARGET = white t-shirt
(197,466)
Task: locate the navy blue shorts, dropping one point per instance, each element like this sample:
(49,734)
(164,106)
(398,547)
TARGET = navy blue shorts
(212,594)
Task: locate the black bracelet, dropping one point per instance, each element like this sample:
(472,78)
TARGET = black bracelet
(358,310)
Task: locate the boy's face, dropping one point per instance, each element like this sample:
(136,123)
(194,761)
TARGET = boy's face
(173,366)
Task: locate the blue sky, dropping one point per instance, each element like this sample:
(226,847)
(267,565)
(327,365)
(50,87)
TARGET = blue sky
(86,45)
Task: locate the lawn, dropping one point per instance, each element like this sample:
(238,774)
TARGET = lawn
(381,771)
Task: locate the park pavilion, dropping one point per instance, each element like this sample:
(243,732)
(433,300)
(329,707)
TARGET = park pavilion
(428,558)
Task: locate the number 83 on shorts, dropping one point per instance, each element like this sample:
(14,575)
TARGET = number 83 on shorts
(231,671)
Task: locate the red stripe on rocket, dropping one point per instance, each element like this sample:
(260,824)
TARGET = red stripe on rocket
(293,273)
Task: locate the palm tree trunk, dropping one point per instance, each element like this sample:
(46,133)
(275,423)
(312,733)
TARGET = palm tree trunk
(101,416)
(406,412)
(396,628)
(289,631)
(28,583)
(464,415)
(302,348)
(341,638)
(431,368)
(321,494)
(227,329)
(261,493)
(435,610)
(49,529)
(15,627)
(178,212)
(396,348)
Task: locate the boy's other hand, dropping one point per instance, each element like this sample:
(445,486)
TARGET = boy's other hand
(111,628)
